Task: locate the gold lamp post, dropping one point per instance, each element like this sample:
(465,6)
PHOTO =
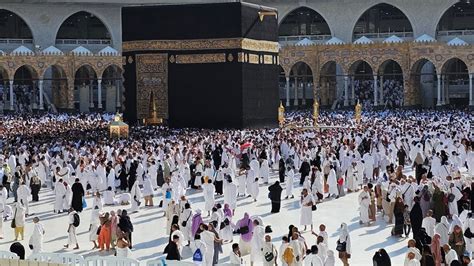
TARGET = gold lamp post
(154,119)
(315,112)
(358,112)
(281,114)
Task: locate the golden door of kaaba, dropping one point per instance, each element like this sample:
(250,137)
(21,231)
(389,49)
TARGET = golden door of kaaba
(152,86)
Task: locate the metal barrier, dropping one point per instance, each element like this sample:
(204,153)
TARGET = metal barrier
(162,262)
(16,262)
(110,261)
(66,259)
(8,255)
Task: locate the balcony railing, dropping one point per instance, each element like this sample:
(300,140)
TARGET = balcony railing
(297,38)
(83,41)
(384,35)
(16,41)
(455,33)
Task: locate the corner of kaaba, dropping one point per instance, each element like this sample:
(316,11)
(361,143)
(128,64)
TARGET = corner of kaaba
(201,65)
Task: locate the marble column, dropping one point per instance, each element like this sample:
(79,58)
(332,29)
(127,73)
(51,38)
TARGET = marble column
(295,101)
(11,96)
(443,80)
(119,98)
(439,102)
(446,90)
(41,101)
(375,91)
(99,93)
(353,101)
(471,100)
(303,101)
(91,94)
(381,91)
(346,91)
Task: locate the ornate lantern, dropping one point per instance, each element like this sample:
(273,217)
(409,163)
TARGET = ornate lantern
(117,128)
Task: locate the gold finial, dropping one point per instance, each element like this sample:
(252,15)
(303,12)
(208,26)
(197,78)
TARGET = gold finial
(358,112)
(281,114)
(118,117)
(315,112)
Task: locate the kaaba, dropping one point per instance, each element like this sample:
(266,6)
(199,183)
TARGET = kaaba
(201,65)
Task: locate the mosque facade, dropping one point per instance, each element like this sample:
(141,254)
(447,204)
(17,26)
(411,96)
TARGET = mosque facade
(66,55)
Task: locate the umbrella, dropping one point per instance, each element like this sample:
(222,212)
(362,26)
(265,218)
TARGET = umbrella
(246,145)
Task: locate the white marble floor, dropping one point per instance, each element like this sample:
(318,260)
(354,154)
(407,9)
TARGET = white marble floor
(150,239)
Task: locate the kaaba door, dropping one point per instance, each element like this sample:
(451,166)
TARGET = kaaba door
(152,81)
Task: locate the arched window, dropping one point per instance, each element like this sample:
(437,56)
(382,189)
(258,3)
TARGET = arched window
(13,26)
(459,16)
(382,18)
(304,21)
(83,25)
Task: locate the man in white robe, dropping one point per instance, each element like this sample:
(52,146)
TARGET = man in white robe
(265,171)
(59,196)
(242,179)
(442,229)
(208,238)
(368,166)
(364,202)
(136,197)
(23,193)
(332,182)
(290,178)
(109,197)
(257,243)
(408,192)
(451,254)
(230,193)
(453,206)
(352,178)
(36,239)
(208,191)
(429,223)
(254,188)
(306,203)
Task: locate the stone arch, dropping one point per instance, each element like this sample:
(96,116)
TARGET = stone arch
(449,20)
(325,28)
(446,63)
(362,83)
(301,83)
(360,62)
(25,87)
(394,10)
(112,89)
(384,61)
(85,85)
(31,69)
(455,80)
(391,83)
(282,75)
(55,84)
(331,82)
(96,70)
(4,73)
(421,84)
(24,32)
(81,13)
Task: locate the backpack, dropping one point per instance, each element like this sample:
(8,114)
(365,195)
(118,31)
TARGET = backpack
(77,220)
(197,256)
(288,255)
(451,197)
